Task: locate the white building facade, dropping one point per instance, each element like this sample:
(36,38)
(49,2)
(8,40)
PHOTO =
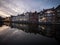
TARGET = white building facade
(21,17)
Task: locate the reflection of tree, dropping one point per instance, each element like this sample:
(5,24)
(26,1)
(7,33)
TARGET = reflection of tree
(1,21)
(33,28)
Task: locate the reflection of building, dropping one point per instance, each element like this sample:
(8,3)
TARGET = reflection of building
(46,30)
(6,23)
(19,26)
(58,14)
(28,28)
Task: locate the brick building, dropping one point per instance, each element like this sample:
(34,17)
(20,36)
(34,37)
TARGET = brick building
(49,15)
(58,14)
(33,17)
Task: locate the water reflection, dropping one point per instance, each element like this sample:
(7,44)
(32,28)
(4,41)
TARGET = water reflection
(29,32)
(46,30)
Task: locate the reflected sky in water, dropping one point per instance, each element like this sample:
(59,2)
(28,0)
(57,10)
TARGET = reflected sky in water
(27,34)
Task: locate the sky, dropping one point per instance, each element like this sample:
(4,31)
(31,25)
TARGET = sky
(14,7)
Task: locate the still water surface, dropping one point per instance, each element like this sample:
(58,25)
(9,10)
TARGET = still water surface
(14,33)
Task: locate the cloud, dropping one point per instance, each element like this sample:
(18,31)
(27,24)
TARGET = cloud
(14,7)
(3,14)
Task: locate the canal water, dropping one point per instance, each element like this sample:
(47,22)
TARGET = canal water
(29,34)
